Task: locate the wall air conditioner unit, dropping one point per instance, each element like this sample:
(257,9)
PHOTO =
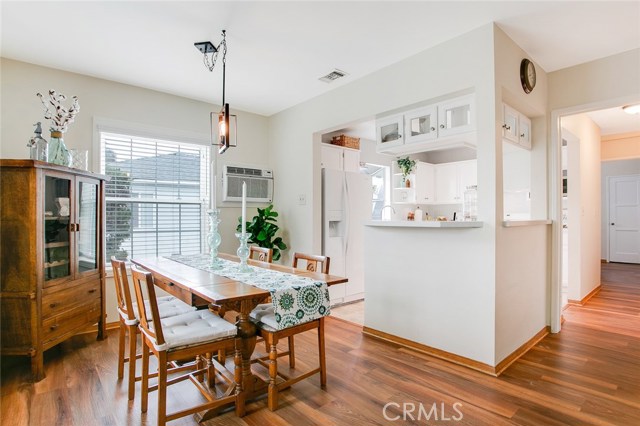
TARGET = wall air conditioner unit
(259,184)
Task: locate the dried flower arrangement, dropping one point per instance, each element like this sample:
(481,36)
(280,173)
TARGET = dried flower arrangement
(60,116)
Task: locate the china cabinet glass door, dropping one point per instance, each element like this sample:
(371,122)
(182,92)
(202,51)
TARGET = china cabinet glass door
(57,229)
(87,226)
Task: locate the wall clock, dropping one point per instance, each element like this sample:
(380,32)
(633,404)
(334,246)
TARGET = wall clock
(527,75)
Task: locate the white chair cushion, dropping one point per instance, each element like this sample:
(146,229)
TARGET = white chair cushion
(193,328)
(168,306)
(265,314)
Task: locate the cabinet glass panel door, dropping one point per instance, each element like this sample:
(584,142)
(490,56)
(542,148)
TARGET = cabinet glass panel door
(456,116)
(87,232)
(389,132)
(421,125)
(57,214)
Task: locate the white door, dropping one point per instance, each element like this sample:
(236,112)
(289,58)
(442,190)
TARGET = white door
(350,160)
(624,219)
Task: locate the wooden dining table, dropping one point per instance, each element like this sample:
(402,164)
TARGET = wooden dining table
(199,287)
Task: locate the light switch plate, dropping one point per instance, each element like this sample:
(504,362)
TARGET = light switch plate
(302,199)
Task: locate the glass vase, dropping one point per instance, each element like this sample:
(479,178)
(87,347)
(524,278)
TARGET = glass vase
(58,152)
(243,252)
(214,239)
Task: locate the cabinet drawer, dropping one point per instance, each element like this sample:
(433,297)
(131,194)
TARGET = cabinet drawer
(177,291)
(67,323)
(71,297)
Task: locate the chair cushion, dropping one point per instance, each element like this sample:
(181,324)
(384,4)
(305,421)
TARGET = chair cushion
(265,315)
(193,328)
(168,306)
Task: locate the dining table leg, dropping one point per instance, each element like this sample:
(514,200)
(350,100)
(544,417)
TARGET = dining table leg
(247,330)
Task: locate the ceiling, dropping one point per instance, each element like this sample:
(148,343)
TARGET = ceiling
(614,121)
(278,50)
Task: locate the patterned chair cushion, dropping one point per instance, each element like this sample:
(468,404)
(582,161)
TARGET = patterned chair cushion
(193,328)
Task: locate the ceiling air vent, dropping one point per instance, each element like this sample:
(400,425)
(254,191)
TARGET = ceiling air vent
(332,76)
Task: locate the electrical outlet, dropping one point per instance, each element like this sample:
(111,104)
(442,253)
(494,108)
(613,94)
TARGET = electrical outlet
(302,199)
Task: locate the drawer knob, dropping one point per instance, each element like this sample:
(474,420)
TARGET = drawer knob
(93,290)
(53,305)
(53,327)
(171,284)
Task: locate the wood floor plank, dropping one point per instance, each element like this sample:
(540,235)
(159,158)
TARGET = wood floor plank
(589,374)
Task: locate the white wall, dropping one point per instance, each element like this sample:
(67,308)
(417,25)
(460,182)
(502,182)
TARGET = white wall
(522,279)
(460,65)
(143,108)
(608,169)
(584,199)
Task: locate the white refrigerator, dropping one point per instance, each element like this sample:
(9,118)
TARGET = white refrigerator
(346,205)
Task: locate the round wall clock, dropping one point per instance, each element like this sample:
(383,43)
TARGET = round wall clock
(527,75)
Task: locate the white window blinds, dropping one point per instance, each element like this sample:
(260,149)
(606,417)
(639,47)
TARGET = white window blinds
(156,198)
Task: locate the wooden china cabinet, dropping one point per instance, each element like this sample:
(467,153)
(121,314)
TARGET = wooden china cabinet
(52,279)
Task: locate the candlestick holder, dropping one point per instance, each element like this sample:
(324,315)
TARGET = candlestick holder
(213,238)
(243,252)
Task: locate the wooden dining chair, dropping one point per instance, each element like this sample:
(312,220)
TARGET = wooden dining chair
(263,254)
(128,319)
(264,316)
(193,335)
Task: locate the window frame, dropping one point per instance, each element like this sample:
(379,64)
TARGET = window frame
(157,134)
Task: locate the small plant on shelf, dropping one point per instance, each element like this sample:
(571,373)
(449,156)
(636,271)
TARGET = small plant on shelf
(406,165)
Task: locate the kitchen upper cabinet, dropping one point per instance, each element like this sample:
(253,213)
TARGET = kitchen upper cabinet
(339,158)
(456,116)
(452,179)
(425,183)
(441,125)
(389,132)
(421,125)
(516,127)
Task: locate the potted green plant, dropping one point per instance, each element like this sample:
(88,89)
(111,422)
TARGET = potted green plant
(406,166)
(262,230)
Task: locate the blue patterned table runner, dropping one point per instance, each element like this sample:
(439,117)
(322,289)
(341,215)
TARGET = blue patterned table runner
(295,299)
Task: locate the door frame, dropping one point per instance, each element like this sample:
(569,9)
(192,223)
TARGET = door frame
(555,197)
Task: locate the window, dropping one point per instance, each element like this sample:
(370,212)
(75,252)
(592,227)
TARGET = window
(157,196)
(379,180)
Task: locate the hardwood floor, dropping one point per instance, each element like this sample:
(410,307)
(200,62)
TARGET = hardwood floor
(587,375)
(352,312)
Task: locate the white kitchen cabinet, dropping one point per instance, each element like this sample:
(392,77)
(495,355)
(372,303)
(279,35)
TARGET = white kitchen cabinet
(524,131)
(431,127)
(389,132)
(452,179)
(421,125)
(447,183)
(516,127)
(339,158)
(456,116)
(425,183)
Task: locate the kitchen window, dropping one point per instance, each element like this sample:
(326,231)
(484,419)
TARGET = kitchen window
(157,196)
(381,189)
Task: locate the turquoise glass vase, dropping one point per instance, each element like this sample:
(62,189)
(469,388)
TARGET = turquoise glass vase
(58,152)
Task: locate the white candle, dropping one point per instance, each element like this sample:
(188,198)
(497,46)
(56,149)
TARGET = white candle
(212,186)
(244,208)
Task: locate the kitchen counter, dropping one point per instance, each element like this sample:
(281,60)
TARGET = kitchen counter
(423,224)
